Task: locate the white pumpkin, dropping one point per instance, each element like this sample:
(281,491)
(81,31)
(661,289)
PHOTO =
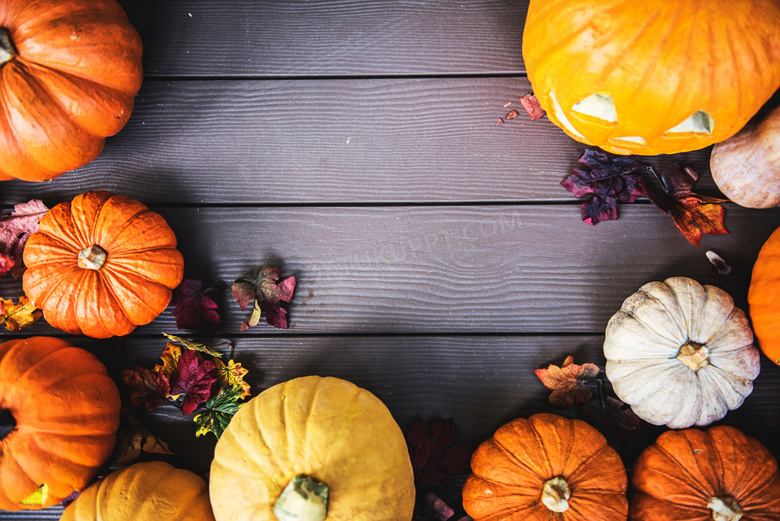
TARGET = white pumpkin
(680,353)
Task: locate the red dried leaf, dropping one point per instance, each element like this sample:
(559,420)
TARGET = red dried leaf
(622,414)
(532,106)
(6,263)
(16,228)
(434,453)
(500,121)
(512,114)
(194,378)
(193,308)
(693,214)
(268,294)
(611,179)
(567,382)
(146,387)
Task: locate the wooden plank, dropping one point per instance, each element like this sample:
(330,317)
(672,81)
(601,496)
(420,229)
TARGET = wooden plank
(335,37)
(334,141)
(463,269)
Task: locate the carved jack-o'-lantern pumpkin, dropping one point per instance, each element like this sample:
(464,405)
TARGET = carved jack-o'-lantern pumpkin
(652,77)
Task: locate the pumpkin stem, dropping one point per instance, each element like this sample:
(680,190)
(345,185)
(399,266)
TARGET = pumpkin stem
(725,508)
(7,49)
(7,423)
(303,499)
(556,494)
(92,258)
(693,355)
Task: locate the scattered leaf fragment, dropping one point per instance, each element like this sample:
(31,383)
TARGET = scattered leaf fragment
(146,387)
(268,293)
(500,121)
(193,378)
(231,375)
(532,106)
(136,439)
(436,508)
(434,452)
(6,263)
(568,382)
(193,346)
(220,409)
(70,499)
(193,308)
(611,179)
(693,214)
(512,114)
(16,228)
(718,262)
(18,316)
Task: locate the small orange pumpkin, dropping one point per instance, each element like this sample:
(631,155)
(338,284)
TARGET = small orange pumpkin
(699,475)
(59,413)
(654,76)
(764,297)
(150,491)
(101,265)
(546,468)
(69,73)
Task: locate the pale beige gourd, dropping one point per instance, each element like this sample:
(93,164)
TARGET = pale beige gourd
(746,167)
(312,449)
(680,353)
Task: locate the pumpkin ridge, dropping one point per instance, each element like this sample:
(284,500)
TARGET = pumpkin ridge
(520,463)
(682,474)
(671,313)
(573,478)
(123,266)
(111,280)
(264,439)
(19,376)
(113,245)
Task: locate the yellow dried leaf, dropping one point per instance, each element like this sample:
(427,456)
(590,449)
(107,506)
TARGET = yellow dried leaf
(170,359)
(232,374)
(18,316)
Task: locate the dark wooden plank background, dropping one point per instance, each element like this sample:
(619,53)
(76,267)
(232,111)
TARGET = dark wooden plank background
(355,144)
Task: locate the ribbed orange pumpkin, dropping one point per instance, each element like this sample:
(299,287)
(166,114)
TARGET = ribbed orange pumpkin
(59,413)
(69,73)
(101,265)
(546,468)
(764,297)
(653,76)
(697,475)
(151,491)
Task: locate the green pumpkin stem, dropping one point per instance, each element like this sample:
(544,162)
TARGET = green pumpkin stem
(303,499)
(7,423)
(556,494)
(92,258)
(725,508)
(7,49)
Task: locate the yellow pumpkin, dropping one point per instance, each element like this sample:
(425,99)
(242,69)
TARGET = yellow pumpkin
(312,449)
(654,76)
(151,491)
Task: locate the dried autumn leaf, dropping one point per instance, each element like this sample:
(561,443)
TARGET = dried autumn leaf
(18,316)
(132,441)
(193,308)
(6,263)
(436,508)
(264,288)
(146,387)
(693,214)
(193,346)
(220,409)
(611,179)
(717,261)
(434,453)
(532,106)
(568,382)
(170,359)
(16,228)
(194,379)
(232,375)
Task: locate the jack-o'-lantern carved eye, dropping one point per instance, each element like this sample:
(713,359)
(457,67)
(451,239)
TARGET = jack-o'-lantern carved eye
(600,106)
(700,122)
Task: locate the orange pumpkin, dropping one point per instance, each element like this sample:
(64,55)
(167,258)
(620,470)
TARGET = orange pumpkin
(546,468)
(150,491)
(717,474)
(101,265)
(69,73)
(654,76)
(59,413)
(764,298)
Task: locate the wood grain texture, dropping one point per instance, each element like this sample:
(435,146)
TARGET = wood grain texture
(332,142)
(334,37)
(442,269)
